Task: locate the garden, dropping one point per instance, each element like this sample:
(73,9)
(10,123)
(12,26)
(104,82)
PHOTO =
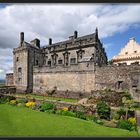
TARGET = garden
(28,117)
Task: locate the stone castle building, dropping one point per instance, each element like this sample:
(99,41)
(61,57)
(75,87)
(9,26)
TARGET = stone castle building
(73,68)
(129,54)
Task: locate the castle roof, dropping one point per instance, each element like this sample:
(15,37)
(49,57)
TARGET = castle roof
(90,36)
(130,51)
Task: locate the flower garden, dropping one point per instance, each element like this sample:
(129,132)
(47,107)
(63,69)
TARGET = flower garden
(120,121)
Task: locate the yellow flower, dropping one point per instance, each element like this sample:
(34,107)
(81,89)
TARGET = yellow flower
(30,104)
(65,108)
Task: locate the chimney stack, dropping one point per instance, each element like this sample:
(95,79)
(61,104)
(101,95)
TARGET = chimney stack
(21,38)
(75,34)
(50,41)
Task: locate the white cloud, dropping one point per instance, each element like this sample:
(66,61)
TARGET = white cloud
(59,21)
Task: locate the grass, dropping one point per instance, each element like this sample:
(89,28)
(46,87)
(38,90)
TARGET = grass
(21,121)
(46,97)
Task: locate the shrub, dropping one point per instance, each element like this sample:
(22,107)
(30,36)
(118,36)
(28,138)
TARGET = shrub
(132,121)
(13,102)
(103,110)
(135,105)
(80,115)
(30,104)
(121,112)
(127,95)
(66,113)
(115,116)
(100,122)
(125,124)
(22,100)
(5,99)
(95,118)
(47,106)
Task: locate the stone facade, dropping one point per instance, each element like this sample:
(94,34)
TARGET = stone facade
(129,54)
(63,65)
(72,68)
(9,79)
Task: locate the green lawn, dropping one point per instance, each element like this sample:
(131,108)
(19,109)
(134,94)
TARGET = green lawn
(46,97)
(21,121)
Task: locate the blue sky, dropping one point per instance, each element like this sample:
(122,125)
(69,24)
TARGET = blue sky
(116,24)
(119,40)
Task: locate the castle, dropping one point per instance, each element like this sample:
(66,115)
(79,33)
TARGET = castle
(75,67)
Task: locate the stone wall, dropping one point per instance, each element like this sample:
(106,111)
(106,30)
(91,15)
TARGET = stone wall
(7,89)
(9,81)
(74,82)
(120,78)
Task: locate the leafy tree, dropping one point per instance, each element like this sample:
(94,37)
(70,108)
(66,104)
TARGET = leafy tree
(127,104)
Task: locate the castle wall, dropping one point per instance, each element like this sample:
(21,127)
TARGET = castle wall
(9,81)
(124,77)
(70,80)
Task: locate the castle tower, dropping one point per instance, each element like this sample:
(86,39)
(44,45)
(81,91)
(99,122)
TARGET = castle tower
(25,56)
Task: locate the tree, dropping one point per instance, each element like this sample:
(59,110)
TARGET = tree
(127,104)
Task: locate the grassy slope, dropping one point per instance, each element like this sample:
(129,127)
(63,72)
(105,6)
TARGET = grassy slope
(21,121)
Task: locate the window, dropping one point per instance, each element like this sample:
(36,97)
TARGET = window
(73,60)
(36,62)
(20,69)
(119,84)
(60,61)
(17,59)
(49,63)
(126,52)
(135,51)
(19,79)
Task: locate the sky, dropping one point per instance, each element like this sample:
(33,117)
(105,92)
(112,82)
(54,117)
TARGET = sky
(116,23)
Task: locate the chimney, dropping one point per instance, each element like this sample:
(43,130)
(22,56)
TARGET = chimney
(37,42)
(21,38)
(50,41)
(75,34)
(96,34)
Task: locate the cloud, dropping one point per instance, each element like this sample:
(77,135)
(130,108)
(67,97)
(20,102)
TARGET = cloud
(59,21)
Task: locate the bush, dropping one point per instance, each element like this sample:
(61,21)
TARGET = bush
(13,102)
(5,99)
(115,116)
(103,110)
(121,112)
(132,121)
(100,122)
(127,95)
(125,124)
(66,113)
(80,115)
(22,101)
(46,106)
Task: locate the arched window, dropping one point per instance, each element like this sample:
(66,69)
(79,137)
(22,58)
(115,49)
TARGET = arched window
(20,69)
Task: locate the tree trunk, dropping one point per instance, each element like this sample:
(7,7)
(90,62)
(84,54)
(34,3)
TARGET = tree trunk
(126,114)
